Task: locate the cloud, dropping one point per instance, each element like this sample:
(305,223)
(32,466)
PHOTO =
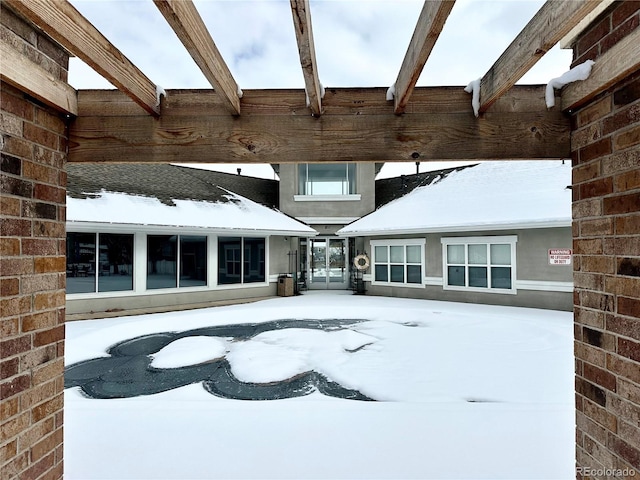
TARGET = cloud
(359,43)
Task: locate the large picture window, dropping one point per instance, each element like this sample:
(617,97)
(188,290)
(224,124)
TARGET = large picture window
(480,263)
(193,261)
(327,179)
(241,260)
(107,268)
(176,261)
(398,261)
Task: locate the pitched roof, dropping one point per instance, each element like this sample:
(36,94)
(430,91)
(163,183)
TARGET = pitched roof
(173,196)
(166,183)
(487,196)
(389,189)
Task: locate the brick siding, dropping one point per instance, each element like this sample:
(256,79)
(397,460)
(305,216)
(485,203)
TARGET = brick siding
(33,143)
(605,144)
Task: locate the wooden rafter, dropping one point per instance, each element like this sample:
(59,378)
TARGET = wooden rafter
(304,36)
(357,125)
(549,25)
(17,70)
(622,60)
(186,22)
(430,24)
(62,22)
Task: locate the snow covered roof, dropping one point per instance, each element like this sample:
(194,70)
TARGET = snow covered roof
(168,196)
(167,182)
(392,188)
(488,196)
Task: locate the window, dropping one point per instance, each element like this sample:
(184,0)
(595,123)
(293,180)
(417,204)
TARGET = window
(109,268)
(327,179)
(398,261)
(161,261)
(193,261)
(480,263)
(241,260)
(169,254)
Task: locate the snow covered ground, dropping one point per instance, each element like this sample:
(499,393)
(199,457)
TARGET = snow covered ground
(465,391)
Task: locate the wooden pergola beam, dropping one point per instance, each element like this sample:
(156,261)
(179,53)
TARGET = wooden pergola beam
(304,36)
(548,26)
(62,22)
(17,70)
(357,125)
(430,24)
(186,22)
(622,60)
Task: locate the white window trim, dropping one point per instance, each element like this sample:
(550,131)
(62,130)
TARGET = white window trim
(311,197)
(242,283)
(354,197)
(113,293)
(509,239)
(405,242)
(140,266)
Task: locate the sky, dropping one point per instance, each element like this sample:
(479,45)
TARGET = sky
(358,43)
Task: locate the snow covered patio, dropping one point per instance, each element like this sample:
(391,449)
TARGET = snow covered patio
(462,390)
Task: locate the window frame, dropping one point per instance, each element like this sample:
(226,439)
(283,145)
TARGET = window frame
(243,262)
(404,242)
(140,261)
(95,268)
(349,179)
(178,262)
(510,240)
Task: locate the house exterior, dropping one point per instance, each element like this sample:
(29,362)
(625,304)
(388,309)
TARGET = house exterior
(327,197)
(145,236)
(496,233)
(153,236)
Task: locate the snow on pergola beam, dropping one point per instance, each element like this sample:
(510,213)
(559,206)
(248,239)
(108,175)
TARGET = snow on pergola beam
(356,125)
(63,23)
(186,22)
(548,26)
(432,18)
(304,35)
(622,60)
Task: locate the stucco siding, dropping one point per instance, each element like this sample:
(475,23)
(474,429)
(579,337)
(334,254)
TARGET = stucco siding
(365,188)
(538,284)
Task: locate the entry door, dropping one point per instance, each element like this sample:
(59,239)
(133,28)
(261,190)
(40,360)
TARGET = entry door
(327,263)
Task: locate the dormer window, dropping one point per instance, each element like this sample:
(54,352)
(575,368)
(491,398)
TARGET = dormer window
(327,179)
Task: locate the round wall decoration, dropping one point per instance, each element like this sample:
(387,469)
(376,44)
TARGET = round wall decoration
(361,262)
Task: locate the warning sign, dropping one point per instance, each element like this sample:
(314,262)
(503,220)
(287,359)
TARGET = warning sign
(560,256)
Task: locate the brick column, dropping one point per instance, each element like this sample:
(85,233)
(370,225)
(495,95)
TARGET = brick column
(33,143)
(606,229)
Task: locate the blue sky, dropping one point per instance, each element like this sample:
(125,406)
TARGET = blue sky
(359,43)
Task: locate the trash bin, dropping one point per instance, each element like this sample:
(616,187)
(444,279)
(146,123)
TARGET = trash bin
(285,286)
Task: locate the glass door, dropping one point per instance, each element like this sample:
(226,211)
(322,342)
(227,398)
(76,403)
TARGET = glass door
(327,263)
(318,260)
(336,262)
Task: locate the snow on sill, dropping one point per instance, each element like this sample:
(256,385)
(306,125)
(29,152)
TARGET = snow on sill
(398,284)
(356,197)
(501,291)
(544,285)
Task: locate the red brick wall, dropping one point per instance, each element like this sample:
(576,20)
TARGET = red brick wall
(33,143)
(605,145)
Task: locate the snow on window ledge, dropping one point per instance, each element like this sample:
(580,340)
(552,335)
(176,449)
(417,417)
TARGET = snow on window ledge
(327,198)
